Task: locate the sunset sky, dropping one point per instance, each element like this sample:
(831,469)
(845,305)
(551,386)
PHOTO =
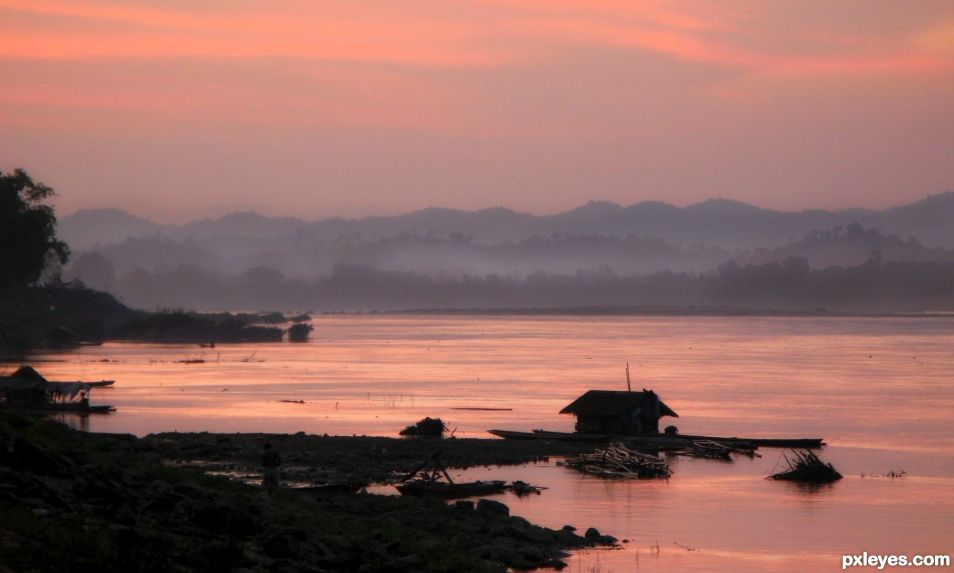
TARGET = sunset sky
(183,108)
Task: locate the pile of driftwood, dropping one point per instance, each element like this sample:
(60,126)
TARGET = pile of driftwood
(618,461)
(805,466)
(432,427)
(718,450)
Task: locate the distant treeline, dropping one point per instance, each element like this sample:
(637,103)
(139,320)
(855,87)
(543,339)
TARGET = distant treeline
(456,254)
(791,283)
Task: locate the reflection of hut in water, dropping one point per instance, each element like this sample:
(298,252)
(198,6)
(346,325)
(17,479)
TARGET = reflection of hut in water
(617,412)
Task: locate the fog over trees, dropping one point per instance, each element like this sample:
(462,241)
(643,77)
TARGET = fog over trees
(718,253)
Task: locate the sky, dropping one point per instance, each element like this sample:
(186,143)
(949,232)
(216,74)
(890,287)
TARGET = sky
(185,108)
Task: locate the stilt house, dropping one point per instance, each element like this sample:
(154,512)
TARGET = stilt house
(26,388)
(618,412)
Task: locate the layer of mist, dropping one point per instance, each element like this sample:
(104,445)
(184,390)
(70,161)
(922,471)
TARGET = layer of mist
(440,258)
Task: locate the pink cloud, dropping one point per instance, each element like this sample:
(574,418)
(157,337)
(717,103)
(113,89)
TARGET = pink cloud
(96,31)
(481,34)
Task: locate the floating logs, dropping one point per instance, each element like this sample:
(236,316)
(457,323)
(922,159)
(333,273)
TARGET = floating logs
(618,461)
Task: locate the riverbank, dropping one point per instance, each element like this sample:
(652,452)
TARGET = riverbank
(65,316)
(670,311)
(92,502)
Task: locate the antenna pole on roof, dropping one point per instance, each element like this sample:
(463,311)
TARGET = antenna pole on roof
(629,387)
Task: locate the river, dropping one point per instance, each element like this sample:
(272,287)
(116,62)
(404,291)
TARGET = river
(879,390)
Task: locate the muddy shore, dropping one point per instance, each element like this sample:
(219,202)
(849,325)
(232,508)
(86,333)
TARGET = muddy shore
(99,502)
(364,460)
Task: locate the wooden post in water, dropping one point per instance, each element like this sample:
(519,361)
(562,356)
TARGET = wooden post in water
(629,387)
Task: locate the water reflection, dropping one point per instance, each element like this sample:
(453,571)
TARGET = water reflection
(73,420)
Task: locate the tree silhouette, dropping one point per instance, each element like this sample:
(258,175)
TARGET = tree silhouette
(28,242)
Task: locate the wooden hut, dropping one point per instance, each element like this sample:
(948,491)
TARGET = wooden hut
(618,412)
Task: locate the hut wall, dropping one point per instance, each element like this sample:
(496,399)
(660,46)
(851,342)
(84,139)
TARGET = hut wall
(630,423)
(591,424)
(26,397)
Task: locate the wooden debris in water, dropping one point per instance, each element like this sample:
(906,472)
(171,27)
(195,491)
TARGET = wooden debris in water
(522,488)
(618,461)
(805,466)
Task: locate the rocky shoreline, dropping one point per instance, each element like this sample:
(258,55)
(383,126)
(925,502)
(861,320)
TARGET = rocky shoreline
(98,502)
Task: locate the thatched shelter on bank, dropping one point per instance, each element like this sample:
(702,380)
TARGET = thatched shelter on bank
(618,412)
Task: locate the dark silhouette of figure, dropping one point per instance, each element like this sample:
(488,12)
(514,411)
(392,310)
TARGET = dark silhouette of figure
(271,462)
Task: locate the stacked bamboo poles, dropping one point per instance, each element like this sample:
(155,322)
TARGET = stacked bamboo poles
(618,461)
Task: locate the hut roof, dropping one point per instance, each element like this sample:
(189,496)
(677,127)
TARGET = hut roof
(26,378)
(613,403)
(27,373)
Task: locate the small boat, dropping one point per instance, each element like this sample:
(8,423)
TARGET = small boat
(93,384)
(332,487)
(81,408)
(446,490)
(660,441)
(430,484)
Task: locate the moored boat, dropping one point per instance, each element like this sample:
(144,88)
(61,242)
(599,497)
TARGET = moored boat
(82,408)
(660,441)
(451,490)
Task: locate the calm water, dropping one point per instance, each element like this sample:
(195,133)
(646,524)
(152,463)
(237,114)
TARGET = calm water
(880,391)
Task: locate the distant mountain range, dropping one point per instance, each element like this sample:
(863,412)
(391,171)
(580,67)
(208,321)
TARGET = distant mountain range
(718,223)
(716,252)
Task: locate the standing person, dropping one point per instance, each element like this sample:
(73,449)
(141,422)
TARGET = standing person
(271,461)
